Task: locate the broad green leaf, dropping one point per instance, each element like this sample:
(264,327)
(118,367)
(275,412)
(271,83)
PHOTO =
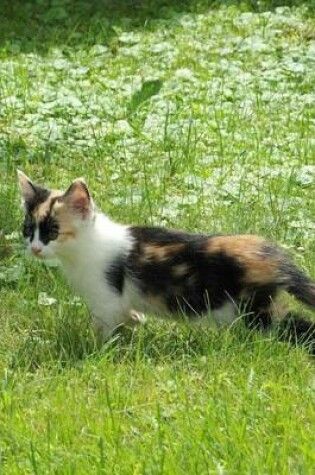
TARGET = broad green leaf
(148,89)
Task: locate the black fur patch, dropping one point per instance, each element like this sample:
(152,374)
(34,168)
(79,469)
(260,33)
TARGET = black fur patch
(48,229)
(40,196)
(115,275)
(297,331)
(212,277)
(269,250)
(29,226)
(162,236)
(299,284)
(257,308)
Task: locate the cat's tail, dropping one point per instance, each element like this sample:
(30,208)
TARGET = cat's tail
(301,286)
(293,328)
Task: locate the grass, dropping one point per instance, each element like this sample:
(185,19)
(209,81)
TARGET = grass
(188,114)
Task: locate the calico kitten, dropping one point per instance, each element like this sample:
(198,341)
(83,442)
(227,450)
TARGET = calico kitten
(124,270)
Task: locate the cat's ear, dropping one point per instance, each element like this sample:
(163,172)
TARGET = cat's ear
(31,193)
(78,197)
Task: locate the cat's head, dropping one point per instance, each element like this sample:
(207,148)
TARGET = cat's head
(54,219)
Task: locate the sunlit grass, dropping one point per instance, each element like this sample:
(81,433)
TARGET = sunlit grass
(186,114)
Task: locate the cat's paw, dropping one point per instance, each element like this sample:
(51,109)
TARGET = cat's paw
(135,318)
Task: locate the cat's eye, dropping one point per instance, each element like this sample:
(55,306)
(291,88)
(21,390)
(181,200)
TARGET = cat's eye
(53,230)
(48,230)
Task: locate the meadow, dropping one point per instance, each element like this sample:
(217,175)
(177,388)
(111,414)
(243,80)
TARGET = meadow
(189,114)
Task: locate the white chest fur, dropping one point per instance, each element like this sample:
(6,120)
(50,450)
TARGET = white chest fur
(85,261)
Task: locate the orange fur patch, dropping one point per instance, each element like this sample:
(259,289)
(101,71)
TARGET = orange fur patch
(43,209)
(248,251)
(162,253)
(64,218)
(180,270)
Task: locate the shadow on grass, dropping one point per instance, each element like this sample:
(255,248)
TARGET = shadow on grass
(36,26)
(71,344)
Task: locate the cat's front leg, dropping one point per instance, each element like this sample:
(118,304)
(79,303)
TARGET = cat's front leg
(134,319)
(105,328)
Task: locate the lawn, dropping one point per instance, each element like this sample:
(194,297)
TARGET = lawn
(189,114)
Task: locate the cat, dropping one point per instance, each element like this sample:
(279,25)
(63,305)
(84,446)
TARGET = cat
(122,271)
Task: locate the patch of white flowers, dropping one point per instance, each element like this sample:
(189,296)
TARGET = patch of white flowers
(234,85)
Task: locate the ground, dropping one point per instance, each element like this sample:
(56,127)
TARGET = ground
(197,115)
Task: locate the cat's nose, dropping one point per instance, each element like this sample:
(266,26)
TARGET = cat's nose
(36,250)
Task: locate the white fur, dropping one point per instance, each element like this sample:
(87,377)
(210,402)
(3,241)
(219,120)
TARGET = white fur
(85,260)
(46,251)
(35,243)
(225,315)
(221,317)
